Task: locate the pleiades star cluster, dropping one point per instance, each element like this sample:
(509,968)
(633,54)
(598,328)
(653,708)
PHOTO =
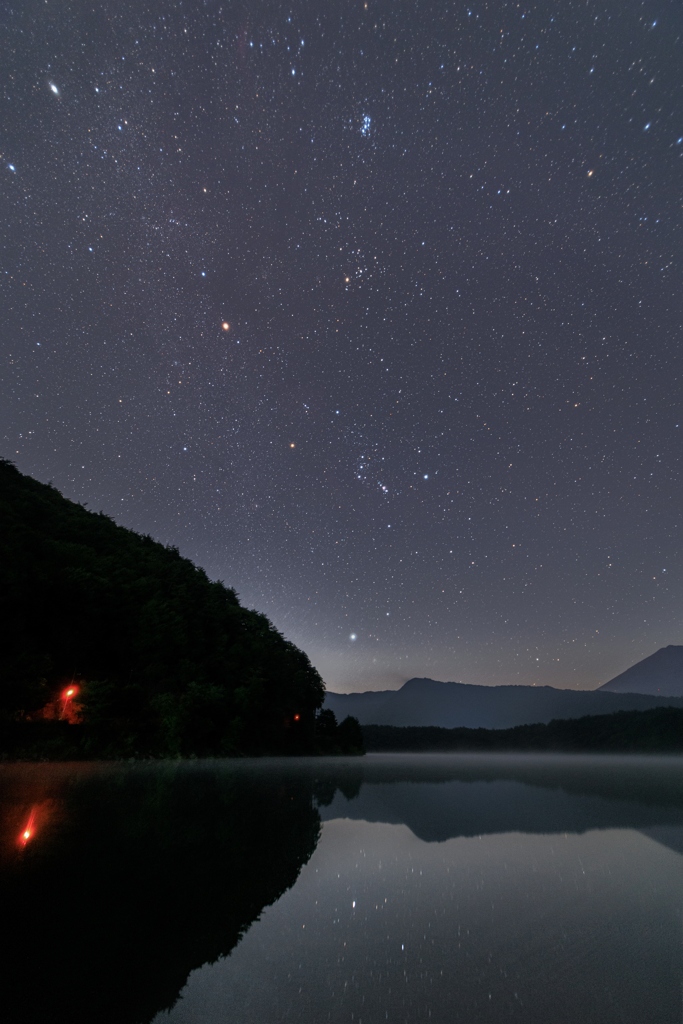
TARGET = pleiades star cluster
(373,309)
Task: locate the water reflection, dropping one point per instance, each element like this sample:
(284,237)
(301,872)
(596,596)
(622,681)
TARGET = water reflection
(533,929)
(443,888)
(115,882)
(471,889)
(441,797)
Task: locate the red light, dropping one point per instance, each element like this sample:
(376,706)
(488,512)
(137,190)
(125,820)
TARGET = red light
(297,717)
(28,829)
(65,707)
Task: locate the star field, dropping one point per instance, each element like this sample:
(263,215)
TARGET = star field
(372,309)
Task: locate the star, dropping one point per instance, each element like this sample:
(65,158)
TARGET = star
(160,223)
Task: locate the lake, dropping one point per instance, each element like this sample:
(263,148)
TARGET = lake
(393,888)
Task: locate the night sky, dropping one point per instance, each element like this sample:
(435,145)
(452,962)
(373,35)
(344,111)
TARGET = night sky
(372,309)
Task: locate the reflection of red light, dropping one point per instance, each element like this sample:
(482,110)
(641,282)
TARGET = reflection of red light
(29,828)
(297,717)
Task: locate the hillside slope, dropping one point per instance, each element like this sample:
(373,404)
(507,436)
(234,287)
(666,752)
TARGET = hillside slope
(661,674)
(161,659)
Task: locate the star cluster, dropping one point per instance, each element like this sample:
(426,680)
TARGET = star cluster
(372,308)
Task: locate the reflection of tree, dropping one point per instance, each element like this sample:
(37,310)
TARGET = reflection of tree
(648,780)
(136,876)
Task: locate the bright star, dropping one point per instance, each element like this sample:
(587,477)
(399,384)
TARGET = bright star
(54,88)
(353,636)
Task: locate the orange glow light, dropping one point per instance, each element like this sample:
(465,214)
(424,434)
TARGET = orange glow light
(29,829)
(66,707)
(225,325)
(297,717)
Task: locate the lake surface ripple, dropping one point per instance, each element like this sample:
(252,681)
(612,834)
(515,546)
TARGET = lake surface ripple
(401,888)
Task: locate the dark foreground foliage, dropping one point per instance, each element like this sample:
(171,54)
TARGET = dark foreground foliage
(61,741)
(657,731)
(165,661)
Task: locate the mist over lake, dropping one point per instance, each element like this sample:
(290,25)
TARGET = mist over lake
(394,887)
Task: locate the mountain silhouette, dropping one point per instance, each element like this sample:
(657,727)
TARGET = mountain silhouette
(660,674)
(428,702)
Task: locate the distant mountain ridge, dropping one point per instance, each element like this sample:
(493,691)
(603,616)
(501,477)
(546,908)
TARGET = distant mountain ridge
(428,702)
(660,674)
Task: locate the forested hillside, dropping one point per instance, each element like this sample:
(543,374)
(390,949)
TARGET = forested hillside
(116,644)
(655,731)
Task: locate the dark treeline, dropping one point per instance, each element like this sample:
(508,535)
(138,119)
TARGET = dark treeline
(656,731)
(161,660)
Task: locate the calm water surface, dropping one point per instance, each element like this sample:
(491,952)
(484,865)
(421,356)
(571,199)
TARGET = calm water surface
(398,888)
